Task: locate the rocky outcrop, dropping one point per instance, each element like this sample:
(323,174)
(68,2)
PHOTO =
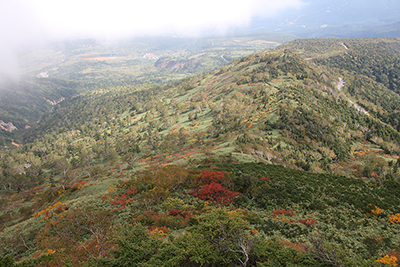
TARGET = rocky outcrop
(9,127)
(178,65)
(53,103)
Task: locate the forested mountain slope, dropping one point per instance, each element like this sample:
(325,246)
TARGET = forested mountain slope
(274,106)
(116,171)
(376,58)
(23,103)
(64,68)
(357,59)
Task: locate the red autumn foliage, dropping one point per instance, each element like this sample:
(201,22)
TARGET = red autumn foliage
(175,212)
(151,218)
(296,246)
(183,213)
(175,127)
(78,185)
(208,177)
(131,191)
(275,213)
(124,199)
(308,221)
(216,193)
(265,178)
(61,208)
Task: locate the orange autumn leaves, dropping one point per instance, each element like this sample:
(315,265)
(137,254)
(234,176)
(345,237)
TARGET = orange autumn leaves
(389,260)
(283,215)
(395,218)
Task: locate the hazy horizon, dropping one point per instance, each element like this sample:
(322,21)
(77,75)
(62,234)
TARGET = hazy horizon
(32,23)
(29,24)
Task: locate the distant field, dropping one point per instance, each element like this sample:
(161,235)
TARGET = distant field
(99,58)
(108,56)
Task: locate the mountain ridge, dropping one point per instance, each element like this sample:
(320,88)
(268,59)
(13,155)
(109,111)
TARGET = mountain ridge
(65,68)
(238,87)
(272,141)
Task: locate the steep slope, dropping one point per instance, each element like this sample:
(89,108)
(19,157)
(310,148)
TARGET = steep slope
(370,68)
(64,68)
(376,58)
(22,103)
(273,106)
(204,152)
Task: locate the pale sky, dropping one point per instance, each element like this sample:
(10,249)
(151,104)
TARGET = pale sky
(122,17)
(25,23)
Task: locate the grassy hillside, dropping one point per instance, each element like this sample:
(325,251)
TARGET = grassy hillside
(63,69)
(275,107)
(267,161)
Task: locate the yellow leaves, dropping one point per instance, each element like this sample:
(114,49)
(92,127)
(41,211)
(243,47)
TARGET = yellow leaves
(282,218)
(49,208)
(168,177)
(111,189)
(60,191)
(51,251)
(59,204)
(394,218)
(175,203)
(388,260)
(79,185)
(39,253)
(42,211)
(377,210)
(159,191)
(236,213)
(157,233)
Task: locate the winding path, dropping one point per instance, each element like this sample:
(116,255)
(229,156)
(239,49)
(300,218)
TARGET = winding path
(355,105)
(222,56)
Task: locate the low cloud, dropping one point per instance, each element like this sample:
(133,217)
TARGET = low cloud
(27,23)
(20,30)
(123,17)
